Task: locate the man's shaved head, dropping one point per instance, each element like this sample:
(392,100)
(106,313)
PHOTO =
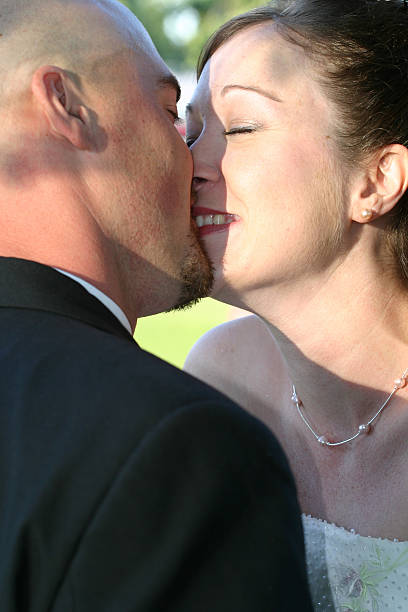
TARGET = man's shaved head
(94,177)
(80,36)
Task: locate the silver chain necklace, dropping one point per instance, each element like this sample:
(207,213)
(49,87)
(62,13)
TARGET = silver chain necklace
(364,428)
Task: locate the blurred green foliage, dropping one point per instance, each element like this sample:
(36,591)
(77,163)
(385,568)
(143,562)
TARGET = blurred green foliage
(212,13)
(171,335)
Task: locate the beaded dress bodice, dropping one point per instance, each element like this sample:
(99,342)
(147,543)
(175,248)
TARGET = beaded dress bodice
(352,573)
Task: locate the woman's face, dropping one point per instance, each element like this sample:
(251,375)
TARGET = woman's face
(259,128)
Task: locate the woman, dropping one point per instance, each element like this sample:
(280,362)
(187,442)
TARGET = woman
(299,133)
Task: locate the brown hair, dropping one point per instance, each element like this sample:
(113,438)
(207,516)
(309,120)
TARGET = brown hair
(360,48)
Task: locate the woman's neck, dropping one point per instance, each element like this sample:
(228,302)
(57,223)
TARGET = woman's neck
(344,343)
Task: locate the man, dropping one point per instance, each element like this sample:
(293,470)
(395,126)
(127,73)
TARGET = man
(125,484)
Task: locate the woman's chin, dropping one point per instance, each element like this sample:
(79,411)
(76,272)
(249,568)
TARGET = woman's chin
(224,291)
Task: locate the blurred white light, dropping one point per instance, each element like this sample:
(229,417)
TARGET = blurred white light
(181,26)
(169,3)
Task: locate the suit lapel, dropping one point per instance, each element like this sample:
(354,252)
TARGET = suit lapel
(30,285)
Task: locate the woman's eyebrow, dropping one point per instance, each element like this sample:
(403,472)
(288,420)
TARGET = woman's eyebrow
(258,90)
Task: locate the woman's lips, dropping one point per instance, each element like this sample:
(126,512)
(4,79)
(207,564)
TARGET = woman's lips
(210,220)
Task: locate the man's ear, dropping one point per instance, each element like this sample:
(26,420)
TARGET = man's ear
(54,91)
(384,183)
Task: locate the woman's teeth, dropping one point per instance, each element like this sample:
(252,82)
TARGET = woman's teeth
(202,220)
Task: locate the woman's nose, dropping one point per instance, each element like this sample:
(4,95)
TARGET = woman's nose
(206,164)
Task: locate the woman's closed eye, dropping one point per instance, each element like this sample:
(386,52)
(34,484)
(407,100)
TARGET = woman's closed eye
(190,140)
(245,129)
(239,130)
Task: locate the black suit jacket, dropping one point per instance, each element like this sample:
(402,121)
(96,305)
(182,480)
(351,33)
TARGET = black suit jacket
(125,484)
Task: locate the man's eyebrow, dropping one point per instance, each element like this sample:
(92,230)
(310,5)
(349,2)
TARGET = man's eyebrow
(171,81)
(258,90)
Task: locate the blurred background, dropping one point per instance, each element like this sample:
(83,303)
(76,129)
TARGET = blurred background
(179,28)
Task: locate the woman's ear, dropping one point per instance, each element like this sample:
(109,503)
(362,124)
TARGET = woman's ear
(384,183)
(54,91)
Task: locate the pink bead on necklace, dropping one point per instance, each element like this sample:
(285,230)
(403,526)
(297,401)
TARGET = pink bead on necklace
(364,428)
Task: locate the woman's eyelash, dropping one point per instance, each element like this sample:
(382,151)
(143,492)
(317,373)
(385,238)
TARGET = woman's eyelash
(239,130)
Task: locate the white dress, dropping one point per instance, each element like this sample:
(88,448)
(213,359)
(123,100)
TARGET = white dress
(352,573)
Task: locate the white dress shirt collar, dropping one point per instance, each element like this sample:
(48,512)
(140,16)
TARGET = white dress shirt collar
(102,297)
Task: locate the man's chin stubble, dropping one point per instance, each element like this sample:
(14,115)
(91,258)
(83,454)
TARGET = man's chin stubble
(196,275)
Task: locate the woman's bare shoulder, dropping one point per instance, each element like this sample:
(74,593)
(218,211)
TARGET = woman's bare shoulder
(224,355)
(228,340)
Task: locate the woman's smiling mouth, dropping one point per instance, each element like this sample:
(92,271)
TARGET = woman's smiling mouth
(208,220)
